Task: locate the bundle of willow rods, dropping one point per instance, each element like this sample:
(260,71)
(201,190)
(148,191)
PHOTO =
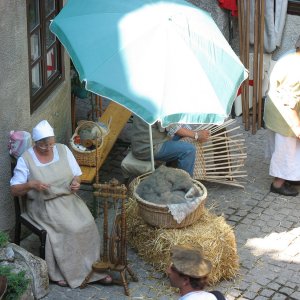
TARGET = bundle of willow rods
(244,9)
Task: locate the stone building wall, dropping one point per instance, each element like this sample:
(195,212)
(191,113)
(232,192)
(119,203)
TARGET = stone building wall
(14,97)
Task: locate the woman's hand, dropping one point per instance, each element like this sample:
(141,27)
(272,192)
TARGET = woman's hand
(75,185)
(24,188)
(38,185)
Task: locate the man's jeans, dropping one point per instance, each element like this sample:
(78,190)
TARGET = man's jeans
(183,152)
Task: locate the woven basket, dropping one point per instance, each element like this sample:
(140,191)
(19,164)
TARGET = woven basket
(158,215)
(88,157)
(224,164)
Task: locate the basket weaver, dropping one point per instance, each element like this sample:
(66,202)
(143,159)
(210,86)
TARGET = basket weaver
(89,157)
(158,215)
(220,159)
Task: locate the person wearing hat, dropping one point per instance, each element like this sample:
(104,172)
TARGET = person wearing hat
(189,273)
(282,118)
(50,176)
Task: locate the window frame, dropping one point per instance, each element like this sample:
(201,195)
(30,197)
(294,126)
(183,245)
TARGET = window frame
(294,7)
(48,84)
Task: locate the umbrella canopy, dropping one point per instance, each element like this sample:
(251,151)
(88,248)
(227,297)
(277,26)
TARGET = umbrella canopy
(163,60)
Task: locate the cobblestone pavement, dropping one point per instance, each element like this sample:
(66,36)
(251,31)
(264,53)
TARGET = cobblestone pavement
(267,229)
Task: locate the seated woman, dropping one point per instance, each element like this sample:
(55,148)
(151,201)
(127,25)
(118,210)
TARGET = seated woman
(49,174)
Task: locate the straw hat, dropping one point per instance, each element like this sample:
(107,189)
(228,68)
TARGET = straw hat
(189,261)
(42,130)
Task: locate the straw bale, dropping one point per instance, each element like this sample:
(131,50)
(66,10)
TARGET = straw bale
(211,232)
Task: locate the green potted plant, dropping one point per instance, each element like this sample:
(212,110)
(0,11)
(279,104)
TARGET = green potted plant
(12,284)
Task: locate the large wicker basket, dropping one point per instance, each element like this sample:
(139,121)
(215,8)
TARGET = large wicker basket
(158,215)
(88,157)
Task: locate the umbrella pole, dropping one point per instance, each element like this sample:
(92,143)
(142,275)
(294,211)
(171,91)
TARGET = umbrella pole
(151,148)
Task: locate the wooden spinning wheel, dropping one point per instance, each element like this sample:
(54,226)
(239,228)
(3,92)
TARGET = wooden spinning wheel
(115,242)
(114,256)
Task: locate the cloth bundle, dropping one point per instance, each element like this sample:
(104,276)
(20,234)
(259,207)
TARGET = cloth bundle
(19,142)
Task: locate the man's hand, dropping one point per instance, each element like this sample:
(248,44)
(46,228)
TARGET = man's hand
(203,135)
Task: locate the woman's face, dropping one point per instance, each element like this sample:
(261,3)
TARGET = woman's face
(45,145)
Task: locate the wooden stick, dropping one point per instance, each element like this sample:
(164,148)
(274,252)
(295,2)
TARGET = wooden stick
(221,140)
(217,132)
(255,64)
(96,154)
(209,155)
(223,167)
(223,146)
(211,163)
(231,136)
(241,25)
(230,148)
(228,143)
(220,143)
(224,125)
(227,176)
(215,128)
(261,62)
(247,124)
(240,4)
(229,153)
(222,133)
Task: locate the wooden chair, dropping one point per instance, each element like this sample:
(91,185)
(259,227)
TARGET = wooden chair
(22,218)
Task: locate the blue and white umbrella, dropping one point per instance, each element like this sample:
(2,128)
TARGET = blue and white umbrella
(163,60)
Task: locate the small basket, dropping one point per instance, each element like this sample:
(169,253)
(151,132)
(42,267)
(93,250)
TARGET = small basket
(88,157)
(158,215)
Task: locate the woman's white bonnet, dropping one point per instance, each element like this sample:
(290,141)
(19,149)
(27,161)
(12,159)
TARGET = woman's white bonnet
(42,130)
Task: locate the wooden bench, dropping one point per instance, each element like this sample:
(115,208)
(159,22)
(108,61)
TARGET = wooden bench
(119,117)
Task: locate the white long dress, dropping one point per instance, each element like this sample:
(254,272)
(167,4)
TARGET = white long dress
(285,156)
(284,92)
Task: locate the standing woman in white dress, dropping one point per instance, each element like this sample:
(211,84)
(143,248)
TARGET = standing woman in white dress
(50,176)
(282,117)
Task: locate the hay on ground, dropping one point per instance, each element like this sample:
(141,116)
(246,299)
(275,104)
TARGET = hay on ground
(211,232)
